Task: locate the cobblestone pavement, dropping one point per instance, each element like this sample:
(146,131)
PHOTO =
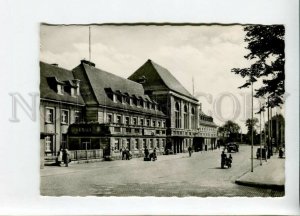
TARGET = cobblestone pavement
(171,175)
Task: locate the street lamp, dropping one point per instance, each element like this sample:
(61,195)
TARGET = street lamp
(251,124)
(255,69)
(260,132)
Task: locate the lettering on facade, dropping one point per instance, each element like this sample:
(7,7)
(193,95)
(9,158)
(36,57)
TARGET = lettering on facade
(149,132)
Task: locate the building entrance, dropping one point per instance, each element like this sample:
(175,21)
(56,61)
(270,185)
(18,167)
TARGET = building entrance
(198,143)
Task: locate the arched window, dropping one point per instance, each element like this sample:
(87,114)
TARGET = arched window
(177,106)
(193,118)
(177,116)
(185,117)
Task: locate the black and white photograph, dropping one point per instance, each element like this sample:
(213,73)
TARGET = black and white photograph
(129,107)
(162,110)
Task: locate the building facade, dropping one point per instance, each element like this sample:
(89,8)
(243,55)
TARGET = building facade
(96,114)
(134,120)
(177,103)
(60,106)
(207,132)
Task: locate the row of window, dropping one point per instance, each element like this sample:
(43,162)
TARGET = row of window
(186,120)
(207,129)
(64,114)
(206,118)
(133,101)
(73,91)
(135,121)
(133,144)
(136,131)
(208,134)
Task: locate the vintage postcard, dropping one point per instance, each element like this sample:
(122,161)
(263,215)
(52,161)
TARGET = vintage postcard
(162,109)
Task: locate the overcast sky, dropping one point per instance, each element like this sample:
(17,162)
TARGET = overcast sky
(205,53)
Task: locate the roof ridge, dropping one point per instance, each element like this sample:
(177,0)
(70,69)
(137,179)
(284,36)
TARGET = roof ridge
(59,67)
(154,65)
(119,77)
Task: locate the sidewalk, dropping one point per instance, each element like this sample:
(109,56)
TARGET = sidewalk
(76,166)
(270,175)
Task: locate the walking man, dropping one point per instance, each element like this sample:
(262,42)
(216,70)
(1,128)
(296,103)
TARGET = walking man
(66,157)
(190,151)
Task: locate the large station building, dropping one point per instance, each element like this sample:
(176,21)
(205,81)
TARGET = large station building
(96,114)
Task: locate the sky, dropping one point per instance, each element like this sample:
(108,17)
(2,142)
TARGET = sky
(204,53)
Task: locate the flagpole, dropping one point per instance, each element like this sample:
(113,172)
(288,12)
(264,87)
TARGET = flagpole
(89,43)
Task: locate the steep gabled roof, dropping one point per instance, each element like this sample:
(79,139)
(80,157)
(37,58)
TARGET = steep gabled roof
(158,75)
(102,82)
(50,73)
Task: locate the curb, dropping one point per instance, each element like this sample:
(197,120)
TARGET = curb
(260,185)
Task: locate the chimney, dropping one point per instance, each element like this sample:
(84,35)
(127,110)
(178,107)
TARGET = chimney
(77,83)
(88,63)
(200,106)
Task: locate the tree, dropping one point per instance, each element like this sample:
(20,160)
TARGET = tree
(266,46)
(280,136)
(251,124)
(229,129)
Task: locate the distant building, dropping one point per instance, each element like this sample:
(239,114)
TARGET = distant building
(177,103)
(207,132)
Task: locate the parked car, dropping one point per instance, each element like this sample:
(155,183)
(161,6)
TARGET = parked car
(169,151)
(232,147)
(261,153)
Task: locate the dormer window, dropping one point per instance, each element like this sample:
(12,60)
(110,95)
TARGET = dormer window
(127,100)
(60,89)
(141,102)
(134,101)
(119,97)
(115,98)
(73,92)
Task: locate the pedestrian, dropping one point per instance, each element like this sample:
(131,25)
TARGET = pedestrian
(190,151)
(146,152)
(230,157)
(280,153)
(154,154)
(123,153)
(127,153)
(66,157)
(223,159)
(59,158)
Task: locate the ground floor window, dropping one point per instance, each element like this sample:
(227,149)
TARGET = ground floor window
(163,143)
(151,143)
(136,143)
(48,144)
(144,143)
(117,144)
(128,144)
(64,141)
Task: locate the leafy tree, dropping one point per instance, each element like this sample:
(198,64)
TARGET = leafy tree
(251,124)
(230,129)
(266,46)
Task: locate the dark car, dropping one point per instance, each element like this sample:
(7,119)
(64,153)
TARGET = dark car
(168,152)
(232,147)
(261,153)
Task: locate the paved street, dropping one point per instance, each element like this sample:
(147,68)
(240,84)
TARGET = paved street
(172,175)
